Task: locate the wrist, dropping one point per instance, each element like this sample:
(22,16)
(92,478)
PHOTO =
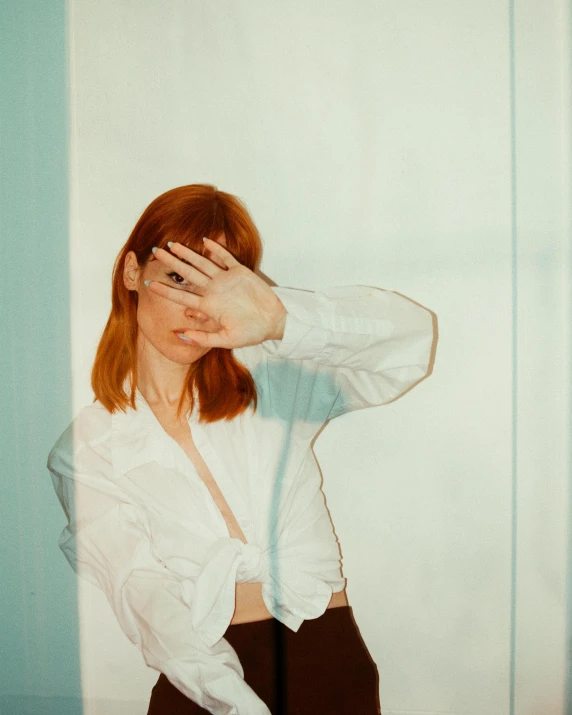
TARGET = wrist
(277,332)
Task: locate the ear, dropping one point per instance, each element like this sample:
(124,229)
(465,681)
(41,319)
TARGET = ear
(131,272)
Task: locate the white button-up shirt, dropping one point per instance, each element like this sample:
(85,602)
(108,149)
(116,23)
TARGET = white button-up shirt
(143,526)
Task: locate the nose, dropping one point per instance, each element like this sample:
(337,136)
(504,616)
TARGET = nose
(194,314)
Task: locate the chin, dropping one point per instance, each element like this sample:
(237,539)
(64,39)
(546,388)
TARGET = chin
(186,355)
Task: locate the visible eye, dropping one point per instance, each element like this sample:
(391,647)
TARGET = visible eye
(177,279)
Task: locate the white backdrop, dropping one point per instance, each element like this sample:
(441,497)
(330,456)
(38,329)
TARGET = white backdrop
(375,143)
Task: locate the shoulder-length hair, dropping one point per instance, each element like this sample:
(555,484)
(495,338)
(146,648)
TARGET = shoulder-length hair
(225,388)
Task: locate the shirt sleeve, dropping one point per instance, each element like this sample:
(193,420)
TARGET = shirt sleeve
(345,348)
(105,541)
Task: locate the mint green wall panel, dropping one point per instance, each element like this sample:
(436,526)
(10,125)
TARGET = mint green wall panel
(39,644)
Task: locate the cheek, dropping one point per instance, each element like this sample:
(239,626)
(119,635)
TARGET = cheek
(152,309)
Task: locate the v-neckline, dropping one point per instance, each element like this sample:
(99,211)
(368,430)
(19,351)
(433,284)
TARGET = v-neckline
(211,460)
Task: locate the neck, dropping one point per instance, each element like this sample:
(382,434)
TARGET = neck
(160,380)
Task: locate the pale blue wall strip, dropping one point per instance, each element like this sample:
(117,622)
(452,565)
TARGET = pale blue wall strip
(514,246)
(39,647)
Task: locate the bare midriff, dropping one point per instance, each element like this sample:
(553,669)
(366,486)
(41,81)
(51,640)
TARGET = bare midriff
(251,607)
(249,603)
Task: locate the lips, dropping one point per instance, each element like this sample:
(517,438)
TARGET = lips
(179,334)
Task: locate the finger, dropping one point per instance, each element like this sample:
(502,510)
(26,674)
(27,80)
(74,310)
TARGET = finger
(206,340)
(183,269)
(177,295)
(221,252)
(206,265)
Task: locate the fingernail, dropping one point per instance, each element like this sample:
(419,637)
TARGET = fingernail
(154,249)
(146,283)
(170,243)
(204,238)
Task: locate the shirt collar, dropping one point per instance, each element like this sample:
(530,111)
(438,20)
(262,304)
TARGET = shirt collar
(137,436)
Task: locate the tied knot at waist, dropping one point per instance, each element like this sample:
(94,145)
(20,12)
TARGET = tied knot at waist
(211,594)
(229,561)
(252,564)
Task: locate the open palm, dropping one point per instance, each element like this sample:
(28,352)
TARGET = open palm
(244,307)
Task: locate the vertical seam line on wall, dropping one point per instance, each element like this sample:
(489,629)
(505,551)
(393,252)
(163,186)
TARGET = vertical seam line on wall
(514,247)
(566,95)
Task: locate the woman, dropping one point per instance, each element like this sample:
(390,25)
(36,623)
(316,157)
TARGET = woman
(192,493)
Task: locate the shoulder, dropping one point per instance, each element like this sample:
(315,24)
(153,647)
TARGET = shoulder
(89,430)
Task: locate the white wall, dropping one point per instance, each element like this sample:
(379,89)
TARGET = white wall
(373,143)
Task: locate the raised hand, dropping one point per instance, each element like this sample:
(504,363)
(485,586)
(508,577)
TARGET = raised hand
(245,307)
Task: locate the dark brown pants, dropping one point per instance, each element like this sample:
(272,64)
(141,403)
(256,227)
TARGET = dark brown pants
(323,668)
